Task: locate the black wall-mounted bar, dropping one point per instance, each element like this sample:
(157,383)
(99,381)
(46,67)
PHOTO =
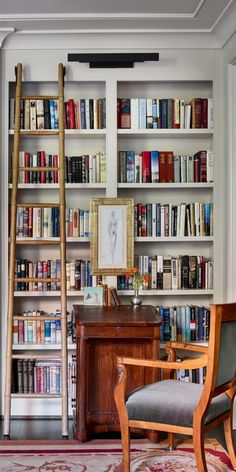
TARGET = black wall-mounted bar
(112,60)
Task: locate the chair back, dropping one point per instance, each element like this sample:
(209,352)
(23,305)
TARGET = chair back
(222,343)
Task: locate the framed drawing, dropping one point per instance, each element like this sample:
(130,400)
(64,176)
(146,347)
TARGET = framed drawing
(111,240)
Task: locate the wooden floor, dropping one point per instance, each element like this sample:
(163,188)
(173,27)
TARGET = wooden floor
(50,429)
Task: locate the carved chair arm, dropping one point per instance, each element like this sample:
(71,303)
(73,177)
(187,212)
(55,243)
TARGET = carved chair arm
(186,346)
(185,364)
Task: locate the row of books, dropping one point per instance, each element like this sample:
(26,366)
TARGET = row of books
(78,274)
(34,376)
(184,323)
(38,159)
(45,222)
(154,113)
(45,331)
(165,167)
(35,114)
(86,168)
(172,273)
(43,114)
(185,219)
(85,113)
(195,375)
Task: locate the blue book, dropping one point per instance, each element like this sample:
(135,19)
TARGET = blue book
(207,218)
(154,166)
(52,114)
(158,218)
(154,113)
(142,113)
(161,314)
(187,323)
(130,167)
(47,331)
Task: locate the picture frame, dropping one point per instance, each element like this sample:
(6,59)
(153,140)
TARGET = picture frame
(111,235)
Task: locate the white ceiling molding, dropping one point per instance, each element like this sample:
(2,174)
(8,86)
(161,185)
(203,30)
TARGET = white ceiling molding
(91,40)
(4,33)
(226,27)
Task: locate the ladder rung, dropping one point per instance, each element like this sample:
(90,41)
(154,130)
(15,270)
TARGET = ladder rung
(35,395)
(43,357)
(42,241)
(39,97)
(35,318)
(38,132)
(38,205)
(36,279)
(42,169)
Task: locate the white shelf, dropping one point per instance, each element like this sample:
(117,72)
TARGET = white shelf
(195,343)
(174,239)
(193,185)
(186,292)
(165,132)
(40,347)
(56,186)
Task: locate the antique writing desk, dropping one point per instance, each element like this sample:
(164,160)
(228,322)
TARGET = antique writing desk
(102,333)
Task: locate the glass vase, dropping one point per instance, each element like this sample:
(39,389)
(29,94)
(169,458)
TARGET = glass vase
(136,299)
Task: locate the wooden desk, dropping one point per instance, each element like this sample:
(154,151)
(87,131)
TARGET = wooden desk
(103,333)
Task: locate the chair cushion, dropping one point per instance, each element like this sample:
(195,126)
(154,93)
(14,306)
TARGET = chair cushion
(172,402)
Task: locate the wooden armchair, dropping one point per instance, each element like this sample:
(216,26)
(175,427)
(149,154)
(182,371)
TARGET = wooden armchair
(181,407)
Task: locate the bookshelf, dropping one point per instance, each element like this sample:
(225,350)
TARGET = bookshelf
(82,82)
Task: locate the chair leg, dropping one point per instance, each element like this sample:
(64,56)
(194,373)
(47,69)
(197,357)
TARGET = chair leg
(229,440)
(125,439)
(171,441)
(198,444)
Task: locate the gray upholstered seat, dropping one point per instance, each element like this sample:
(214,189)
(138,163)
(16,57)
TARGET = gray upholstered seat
(172,402)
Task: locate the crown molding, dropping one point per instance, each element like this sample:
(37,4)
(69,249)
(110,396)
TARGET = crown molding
(224,28)
(89,40)
(4,33)
(97,16)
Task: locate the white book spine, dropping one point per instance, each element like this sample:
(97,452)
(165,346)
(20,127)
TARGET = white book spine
(210,166)
(210,113)
(134,112)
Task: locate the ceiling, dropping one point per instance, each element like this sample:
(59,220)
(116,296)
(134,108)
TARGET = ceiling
(159,16)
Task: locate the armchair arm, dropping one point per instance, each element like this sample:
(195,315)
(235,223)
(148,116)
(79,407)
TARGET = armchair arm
(185,364)
(187,347)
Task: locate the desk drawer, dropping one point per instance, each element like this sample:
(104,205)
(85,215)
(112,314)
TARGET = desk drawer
(118,331)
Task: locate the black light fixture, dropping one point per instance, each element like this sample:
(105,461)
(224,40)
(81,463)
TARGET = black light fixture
(112,60)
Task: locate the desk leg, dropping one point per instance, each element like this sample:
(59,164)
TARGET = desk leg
(81,429)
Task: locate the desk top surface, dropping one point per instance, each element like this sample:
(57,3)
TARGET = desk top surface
(111,315)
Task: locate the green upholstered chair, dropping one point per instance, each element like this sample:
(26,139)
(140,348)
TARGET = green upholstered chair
(180,407)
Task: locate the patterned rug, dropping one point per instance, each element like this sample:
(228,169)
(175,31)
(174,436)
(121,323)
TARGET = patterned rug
(106,456)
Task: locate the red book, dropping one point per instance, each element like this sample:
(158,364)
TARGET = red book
(170,167)
(144,221)
(30,222)
(196,113)
(146,166)
(203,166)
(118,112)
(27,164)
(125,113)
(162,166)
(139,219)
(204,113)
(197,167)
(55,164)
(71,113)
(42,164)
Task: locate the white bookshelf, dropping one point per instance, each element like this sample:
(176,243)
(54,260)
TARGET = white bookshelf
(83,82)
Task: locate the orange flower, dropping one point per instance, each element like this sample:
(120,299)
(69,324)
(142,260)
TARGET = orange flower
(134,271)
(145,278)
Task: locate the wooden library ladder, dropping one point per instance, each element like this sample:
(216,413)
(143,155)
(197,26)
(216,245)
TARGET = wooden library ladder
(62,355)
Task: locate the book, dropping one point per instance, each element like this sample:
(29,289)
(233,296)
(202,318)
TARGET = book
(93,296)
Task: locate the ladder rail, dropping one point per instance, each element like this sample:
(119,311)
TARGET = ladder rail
(61,241)
(11,282)
(64,353)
